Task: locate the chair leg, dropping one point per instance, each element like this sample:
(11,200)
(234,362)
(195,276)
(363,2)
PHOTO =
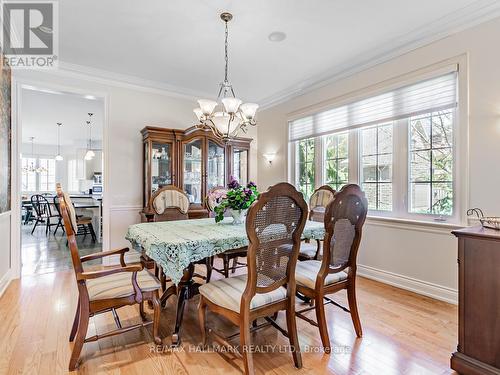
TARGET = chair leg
(321,318)
(235,263)
(142,312)
(92,233)
(246,346)
(202,313)
(353,308)
(163,278)
(116,318)
(156,317)
(75,323)
(208,263)
(226,266)
(292,333)
(34,226)
(80,337)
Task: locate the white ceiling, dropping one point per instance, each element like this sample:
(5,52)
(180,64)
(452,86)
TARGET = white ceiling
(42,110)
(178,44)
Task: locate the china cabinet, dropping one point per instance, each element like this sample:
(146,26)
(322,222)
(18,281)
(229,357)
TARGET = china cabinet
(193,160)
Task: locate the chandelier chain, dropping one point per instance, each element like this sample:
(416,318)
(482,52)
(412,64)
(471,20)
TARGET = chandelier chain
(226,54)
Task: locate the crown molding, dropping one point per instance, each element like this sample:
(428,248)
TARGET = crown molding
(105,77)
(467,17)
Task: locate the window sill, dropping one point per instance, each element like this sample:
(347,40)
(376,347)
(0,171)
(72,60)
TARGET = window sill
(426,226)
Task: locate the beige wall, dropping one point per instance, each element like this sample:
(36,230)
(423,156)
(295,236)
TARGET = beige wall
(423,258)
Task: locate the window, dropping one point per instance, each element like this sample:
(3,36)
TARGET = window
(336,160)
(305,169)
(73,175)
(42,181)
(431,163)
(399,146)
(28,176)
(48,176)
(376,166)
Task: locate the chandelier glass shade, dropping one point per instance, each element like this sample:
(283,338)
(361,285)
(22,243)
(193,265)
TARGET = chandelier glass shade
(227,116)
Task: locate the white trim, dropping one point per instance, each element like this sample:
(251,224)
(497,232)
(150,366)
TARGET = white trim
(105,77)
(462,19)
(17,84)
(118,208)
(425,288)
(5,281)
(413,225)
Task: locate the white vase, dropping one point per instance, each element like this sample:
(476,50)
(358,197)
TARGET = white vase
(238,216)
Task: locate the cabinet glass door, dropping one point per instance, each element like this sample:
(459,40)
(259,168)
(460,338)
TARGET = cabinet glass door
(193,170)
(216,169)
(161,165)
(240,166)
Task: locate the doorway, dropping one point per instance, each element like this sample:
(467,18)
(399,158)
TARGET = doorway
(61,141)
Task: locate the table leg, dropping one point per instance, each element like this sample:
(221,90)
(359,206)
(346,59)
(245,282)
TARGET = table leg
(184,291)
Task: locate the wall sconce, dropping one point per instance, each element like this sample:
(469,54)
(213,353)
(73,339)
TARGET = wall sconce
(270,157)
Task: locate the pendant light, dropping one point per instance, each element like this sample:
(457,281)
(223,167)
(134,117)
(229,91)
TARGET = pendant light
(59,156)
(89,155)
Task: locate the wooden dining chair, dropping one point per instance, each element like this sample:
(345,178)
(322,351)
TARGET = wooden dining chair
(168,203)
(274,227)
(106,290)
(82,224)
(317,206)
(344,219)
(44,214)
(230,255)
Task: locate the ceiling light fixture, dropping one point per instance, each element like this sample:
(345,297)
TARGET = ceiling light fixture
(232,116)
(59,156)
(89,155)
(32,168)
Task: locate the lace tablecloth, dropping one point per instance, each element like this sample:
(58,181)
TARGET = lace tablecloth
(176,244)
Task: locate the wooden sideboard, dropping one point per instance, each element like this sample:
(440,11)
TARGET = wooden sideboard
(194,160)
(478,350)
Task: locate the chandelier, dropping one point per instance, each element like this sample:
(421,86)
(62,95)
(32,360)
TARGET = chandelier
(31,167)
(227,116)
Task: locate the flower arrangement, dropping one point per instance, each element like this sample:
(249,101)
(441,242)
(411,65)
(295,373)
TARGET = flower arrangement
(238,199)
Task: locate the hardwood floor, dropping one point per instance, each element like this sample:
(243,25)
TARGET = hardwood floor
(41,253)
(404,333)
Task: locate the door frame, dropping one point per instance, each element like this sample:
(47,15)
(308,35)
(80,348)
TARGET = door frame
(16,139)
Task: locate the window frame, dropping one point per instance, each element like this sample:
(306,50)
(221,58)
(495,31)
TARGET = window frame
(400,175)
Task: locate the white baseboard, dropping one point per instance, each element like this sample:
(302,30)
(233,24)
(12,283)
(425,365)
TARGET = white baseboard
(5,281)
(425,288)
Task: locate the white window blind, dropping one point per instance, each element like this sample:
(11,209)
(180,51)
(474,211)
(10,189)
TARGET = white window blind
(434,94)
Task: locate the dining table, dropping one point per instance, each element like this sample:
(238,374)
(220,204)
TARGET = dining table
(177,245)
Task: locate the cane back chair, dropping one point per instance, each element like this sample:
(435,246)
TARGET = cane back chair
(274,227)
(317,206)
(344,219)
(106,290)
